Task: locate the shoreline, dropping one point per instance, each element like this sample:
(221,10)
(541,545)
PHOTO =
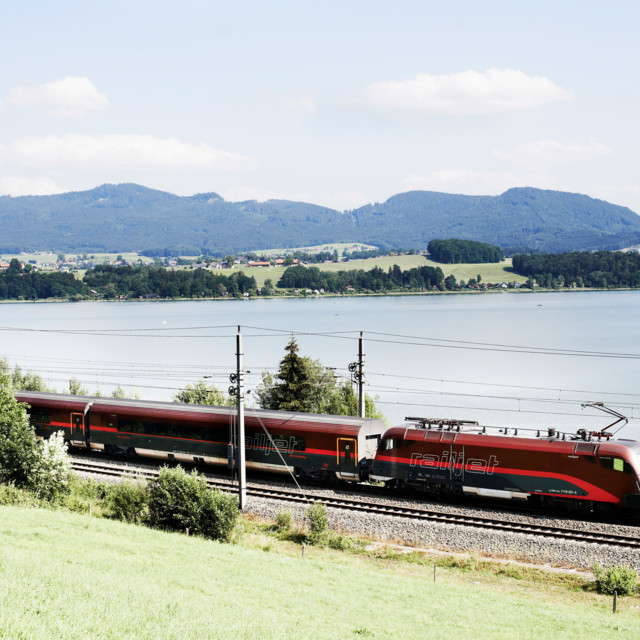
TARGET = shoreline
(314,296)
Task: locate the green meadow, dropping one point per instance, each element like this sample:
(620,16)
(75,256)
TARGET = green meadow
(65,575)
(499,272)
(488,272)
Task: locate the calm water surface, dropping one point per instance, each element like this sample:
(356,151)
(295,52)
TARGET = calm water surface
(464,356)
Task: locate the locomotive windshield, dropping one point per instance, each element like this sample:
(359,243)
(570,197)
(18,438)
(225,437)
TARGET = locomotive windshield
(616,464)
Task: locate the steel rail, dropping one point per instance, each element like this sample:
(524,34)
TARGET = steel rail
(415,513)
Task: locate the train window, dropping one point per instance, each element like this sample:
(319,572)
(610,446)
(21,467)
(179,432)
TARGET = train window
(187,432)
(389,444)
(39,417)
(616,464)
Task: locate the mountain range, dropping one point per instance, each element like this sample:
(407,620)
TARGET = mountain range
(130,217)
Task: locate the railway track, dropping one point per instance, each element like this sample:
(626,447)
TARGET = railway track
(415,513)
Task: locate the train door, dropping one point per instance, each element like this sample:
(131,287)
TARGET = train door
(348,456)
(456,458)
(77,427)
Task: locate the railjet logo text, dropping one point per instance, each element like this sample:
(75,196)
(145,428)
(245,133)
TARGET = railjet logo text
(455,459)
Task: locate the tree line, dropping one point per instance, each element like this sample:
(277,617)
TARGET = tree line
(376,279)
(109,282)
(601,269)
(24,283)
(463,251)
(143,281)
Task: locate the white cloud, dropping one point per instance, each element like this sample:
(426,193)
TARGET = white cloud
(625,195)
(473,182)
(71,97)
(20,186)
(466,93)
(306,105)
(120,152)
(549,153)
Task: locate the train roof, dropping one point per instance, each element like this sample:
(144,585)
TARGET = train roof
(501,437)
(199,413)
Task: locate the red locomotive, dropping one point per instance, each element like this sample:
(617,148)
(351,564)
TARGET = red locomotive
(582,471)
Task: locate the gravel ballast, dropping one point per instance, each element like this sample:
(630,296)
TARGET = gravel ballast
(443,536)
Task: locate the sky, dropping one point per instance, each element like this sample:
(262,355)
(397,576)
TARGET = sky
(336,103)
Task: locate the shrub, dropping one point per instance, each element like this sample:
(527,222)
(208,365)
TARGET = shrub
(18,445)
(318,523)
(89,489)
(10,495)
(50,475)
(127,500)
(620,579)
(341,542)
(86,494)
(44,467)
(180,501)
(284,522)
(218,515)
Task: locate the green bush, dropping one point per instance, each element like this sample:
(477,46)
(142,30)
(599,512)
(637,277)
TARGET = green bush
(50,475)
(44,467)
(127,500)
(620,579)
(341,542)
(10,495)
(18,445)
(179,501)
(318,523)
(85,494)
(89,489)
(284,522)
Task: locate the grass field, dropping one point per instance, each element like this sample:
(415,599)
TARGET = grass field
(489,272)
(336,246)
(44,258)
(69,576)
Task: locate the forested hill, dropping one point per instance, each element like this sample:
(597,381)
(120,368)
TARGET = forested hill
(130,217)
(523,218)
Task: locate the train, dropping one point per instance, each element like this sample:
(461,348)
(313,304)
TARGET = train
(585,471)
(582,472)
(321,447)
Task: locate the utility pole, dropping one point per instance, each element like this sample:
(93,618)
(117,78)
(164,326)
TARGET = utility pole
(237,390)
(357,374)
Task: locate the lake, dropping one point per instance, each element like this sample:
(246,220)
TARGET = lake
(506,359)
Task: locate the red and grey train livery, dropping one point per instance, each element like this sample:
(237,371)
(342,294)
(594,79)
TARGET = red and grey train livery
(324,447)
(455,458)
(583,471)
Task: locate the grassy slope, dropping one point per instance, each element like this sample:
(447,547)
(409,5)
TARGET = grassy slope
(69,576)
(489,272)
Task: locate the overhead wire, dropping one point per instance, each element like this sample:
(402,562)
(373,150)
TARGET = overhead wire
(502,385)
(177,372)
(404,339)
(181,372)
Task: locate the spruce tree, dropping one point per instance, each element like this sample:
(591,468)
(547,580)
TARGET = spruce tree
(293,389)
